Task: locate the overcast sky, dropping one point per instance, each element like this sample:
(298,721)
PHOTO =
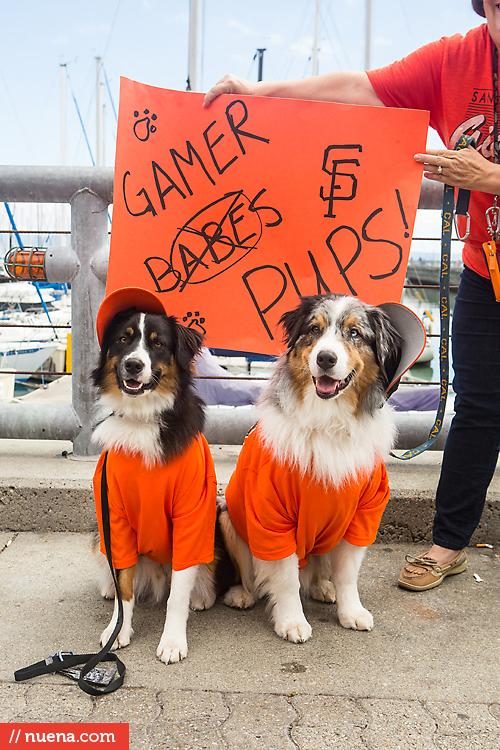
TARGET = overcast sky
(147,40)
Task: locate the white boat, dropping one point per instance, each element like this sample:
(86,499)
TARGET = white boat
(14,325)
(29,338)
(22,295)
(25,356)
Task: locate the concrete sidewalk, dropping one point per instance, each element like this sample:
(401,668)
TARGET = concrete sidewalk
(426,678)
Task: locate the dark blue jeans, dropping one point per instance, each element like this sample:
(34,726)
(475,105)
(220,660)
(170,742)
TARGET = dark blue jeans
(473,443)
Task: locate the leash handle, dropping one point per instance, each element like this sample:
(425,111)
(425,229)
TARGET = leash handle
(66,660)
(444,297)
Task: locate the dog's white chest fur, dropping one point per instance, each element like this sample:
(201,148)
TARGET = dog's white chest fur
(134,426)
(122,433)
(326,438)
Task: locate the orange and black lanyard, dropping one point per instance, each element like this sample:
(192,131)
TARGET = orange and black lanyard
(493,213)
(447,213)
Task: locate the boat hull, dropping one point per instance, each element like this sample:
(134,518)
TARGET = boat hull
(25,357)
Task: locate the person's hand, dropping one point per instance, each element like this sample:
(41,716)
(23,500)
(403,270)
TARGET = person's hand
(462,169)
(230,85)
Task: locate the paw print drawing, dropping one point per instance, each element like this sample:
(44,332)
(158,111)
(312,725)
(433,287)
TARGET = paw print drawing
(143,127)
(195,322)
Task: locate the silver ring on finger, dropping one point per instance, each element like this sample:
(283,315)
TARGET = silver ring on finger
(440,169)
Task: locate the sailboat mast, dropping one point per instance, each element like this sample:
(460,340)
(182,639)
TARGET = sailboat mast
(316,40)
(194,43)
(260,53)
(99,117)
(63,114)
(368,34)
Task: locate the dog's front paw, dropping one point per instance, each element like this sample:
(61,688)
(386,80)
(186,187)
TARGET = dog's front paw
(123,639)
(198,601)
(296,632)
(323,591)
(357,619)
(171,650)
(239,597)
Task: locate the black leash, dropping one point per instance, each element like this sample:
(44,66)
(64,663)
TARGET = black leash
(444,298)
(65,661)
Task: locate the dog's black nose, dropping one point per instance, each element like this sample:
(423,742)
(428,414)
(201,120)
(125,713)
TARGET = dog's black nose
(134,366)
(326,360)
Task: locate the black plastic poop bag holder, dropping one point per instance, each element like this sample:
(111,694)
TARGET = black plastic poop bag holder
(91,679)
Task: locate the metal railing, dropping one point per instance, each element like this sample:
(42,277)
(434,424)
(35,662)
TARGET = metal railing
(89,192)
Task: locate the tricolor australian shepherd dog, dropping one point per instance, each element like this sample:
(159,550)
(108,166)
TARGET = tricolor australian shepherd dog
(160,475)
(310,485)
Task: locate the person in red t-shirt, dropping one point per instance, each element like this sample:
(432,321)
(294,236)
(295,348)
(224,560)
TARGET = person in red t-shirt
(453,79)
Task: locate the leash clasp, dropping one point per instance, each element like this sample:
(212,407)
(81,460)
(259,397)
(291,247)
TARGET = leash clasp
(59,655)
(492,219)
(467,225)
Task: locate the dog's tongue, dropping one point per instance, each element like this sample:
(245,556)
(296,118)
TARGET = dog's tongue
(324,384)
(133,384)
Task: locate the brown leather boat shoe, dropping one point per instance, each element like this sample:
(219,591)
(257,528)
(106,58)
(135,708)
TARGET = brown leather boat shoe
(422,573)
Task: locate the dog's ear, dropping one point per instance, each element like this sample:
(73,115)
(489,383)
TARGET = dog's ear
(387,345)
(189,344)
(291,323)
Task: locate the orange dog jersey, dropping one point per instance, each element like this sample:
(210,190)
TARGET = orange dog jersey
(278,511)
(166,512)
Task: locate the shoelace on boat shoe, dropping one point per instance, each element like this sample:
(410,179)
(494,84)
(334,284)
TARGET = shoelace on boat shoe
(427,564)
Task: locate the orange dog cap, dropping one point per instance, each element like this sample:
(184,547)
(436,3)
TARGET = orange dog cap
(122,299)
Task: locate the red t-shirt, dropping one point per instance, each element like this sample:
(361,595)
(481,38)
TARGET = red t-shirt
(453,79)
(166,512)
(277,510)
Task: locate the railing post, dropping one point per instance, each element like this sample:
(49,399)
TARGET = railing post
(89,238)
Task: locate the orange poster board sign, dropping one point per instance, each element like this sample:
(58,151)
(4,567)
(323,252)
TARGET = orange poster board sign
(229,213)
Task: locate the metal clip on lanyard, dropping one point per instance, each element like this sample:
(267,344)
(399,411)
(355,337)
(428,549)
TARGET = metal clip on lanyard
(462,209)
(492,217)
